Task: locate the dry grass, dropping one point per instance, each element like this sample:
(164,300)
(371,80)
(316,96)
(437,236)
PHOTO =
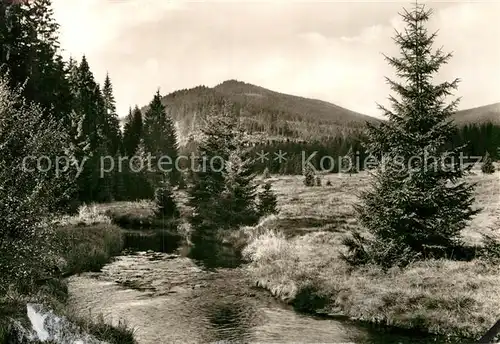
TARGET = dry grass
(88,215)
(299,250)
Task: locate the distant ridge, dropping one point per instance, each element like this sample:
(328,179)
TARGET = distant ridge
(481,114)
(265,114)
(270,115)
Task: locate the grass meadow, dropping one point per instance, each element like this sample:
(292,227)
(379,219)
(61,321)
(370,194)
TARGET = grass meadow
(296,256)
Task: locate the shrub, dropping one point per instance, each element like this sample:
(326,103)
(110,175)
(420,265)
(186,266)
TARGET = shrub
(27,196)
(328,183)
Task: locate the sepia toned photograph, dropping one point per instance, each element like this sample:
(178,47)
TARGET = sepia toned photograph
(269,172)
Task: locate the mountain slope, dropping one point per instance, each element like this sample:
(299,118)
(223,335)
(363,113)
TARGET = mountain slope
(265,114)
(482,114)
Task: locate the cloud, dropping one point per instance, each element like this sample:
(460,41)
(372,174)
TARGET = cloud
(327,50)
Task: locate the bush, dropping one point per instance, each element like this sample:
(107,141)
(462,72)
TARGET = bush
(27,196)
(328,183)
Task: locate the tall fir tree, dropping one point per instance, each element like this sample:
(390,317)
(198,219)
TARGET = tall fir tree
(268,202)
(89,108)
(239,196)
(111,121)
(29,50)
(418,202)
(222,191)
(160,139)
(132,131)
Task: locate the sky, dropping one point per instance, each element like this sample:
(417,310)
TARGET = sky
(329,50)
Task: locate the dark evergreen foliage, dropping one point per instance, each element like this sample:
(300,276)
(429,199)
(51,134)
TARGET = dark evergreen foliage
(416,208)
(160,140)
(222,191)
(487,166)
(309,176)
(166,207)
(132,132)
(268,202)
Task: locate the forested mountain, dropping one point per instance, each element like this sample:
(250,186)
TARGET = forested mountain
(266,115)
(269,115)
(479,115)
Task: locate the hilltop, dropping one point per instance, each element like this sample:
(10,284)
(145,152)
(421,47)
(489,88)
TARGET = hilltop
(272,115)
(266,114)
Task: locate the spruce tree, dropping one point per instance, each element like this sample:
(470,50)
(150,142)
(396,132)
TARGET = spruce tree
(89,107)
(268,203)
(487,166)
(222,191)
(29,50)
(132,131)
(266,174)
(240,191)
(317,181)
(160,138)
(112,130)
(418,202)
(166,208)
(308,176)
(349,161)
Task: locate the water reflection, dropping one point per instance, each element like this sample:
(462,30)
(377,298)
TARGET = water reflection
(203,300)
(212,254)
(229,322)
(157,241)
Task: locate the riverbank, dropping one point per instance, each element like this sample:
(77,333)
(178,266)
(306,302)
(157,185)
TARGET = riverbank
(85,243)
(296,256)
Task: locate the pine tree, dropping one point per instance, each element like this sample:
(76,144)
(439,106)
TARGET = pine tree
(89,106)
(349,161)
(160,138)
(308,176)
(415,207)
(268,203)
(240,191)
(111,122)
(487,166)
(132,131)
(222,191)
(166,208)
(30,52)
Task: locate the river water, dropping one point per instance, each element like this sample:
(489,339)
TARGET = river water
(169,298)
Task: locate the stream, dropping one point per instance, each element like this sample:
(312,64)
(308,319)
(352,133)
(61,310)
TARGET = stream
(169,298)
